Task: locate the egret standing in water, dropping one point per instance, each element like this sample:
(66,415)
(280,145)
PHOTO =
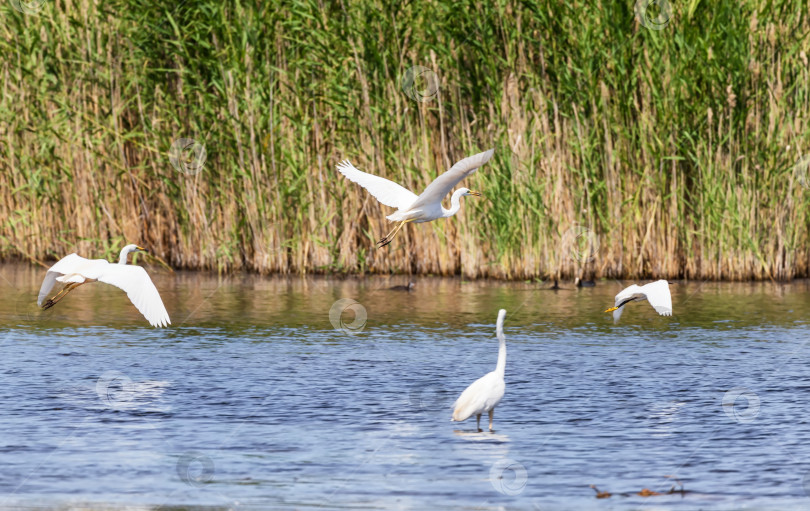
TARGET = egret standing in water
(74,270)
(421,208)
(485,392)
(657,293)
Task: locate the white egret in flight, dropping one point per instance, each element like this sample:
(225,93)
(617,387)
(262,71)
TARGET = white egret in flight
(74,270)
(421,208)
(657,293)
(487,391)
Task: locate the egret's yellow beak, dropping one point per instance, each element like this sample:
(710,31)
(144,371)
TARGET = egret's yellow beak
(475,194)
(611,309)
(141,249)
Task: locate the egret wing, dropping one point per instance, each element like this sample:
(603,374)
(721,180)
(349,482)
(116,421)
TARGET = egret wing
(442,185)
(482,395)
(385,191)
(659,297)
(471,401)
(630,292)
(139,288)
(65,266)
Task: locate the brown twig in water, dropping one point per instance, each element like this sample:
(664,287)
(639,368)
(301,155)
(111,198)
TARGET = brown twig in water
(645,492)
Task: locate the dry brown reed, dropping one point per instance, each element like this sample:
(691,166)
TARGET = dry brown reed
(674,151)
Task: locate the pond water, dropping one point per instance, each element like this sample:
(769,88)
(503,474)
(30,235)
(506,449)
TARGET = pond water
(254,398)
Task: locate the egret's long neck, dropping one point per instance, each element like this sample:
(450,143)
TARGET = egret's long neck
(122,259)
(455,204)
(501,367)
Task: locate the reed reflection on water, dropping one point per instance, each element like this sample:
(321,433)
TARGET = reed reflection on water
(260,395)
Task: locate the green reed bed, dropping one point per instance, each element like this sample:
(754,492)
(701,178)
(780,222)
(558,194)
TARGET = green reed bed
(621,150)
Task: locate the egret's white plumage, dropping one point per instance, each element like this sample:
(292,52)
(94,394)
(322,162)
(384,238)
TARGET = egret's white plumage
(386,192)
(485,392)
(412,207)
(657,293)
(74,270)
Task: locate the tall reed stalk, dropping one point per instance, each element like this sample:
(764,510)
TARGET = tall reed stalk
(621,151)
